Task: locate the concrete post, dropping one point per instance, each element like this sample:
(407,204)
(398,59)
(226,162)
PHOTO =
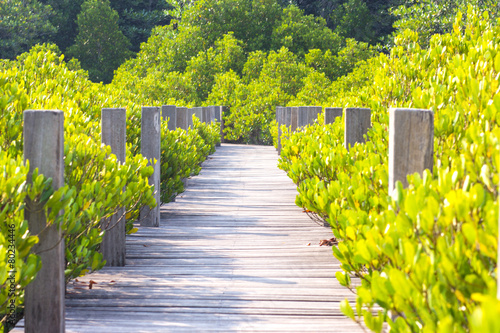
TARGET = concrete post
(223,111)
(279,120)
(205,115)
(113,127)
(331,114)
(302,116)
(313,113)
(411,143)
(190,113)
(43,133)
(198,112)
(216,115)
(150,148)
(287,119)
(169,112)
(211,113)
(306,115)
(295,118)
(357,123)
(181,120)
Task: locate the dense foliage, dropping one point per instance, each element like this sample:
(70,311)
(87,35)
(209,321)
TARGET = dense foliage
(366,20)
(94,179)
(429,17)
(182,153)
(97,27)
(249,55)
(426,255)
(119,27)
(22,25)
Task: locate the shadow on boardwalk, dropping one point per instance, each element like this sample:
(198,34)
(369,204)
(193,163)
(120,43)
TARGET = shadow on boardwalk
(233,253)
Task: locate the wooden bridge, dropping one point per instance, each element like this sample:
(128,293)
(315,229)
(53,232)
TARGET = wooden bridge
(233,253)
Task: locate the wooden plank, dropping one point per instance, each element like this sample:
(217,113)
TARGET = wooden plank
(93,321)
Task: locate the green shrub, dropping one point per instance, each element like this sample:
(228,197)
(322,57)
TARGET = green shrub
(426,255)
(94,179)
(18,266)
(182,153)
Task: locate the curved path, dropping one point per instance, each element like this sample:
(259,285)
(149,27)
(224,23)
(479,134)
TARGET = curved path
(233,253)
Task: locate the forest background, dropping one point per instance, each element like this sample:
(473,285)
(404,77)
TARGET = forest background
(249,55)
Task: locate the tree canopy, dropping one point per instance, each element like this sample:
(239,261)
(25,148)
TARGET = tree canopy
(100,45)
(23,23)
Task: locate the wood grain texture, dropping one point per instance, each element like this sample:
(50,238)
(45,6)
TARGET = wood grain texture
(232,254)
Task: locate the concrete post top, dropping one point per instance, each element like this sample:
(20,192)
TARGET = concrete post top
(56,112)
(403,110)
(151,111)
(118,112)
(114,109)
(43,133)
(358,109)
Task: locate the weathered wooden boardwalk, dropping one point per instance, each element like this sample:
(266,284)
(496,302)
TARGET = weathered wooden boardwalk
(233,253)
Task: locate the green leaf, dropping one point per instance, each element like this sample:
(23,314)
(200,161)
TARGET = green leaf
(343,278)
(497,62)
(346,309)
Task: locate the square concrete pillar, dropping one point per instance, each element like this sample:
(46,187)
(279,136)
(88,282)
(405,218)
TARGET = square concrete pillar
(331,114)
(43,134)
(151,149)
(168,112)
(411,143)
(357,123)
(181,120)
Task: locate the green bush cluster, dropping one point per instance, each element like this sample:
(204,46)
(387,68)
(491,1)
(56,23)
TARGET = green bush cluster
(17,266)
(182,153)
(94,179)
(425,255)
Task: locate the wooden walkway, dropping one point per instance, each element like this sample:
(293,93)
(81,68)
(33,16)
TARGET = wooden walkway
(232,254)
